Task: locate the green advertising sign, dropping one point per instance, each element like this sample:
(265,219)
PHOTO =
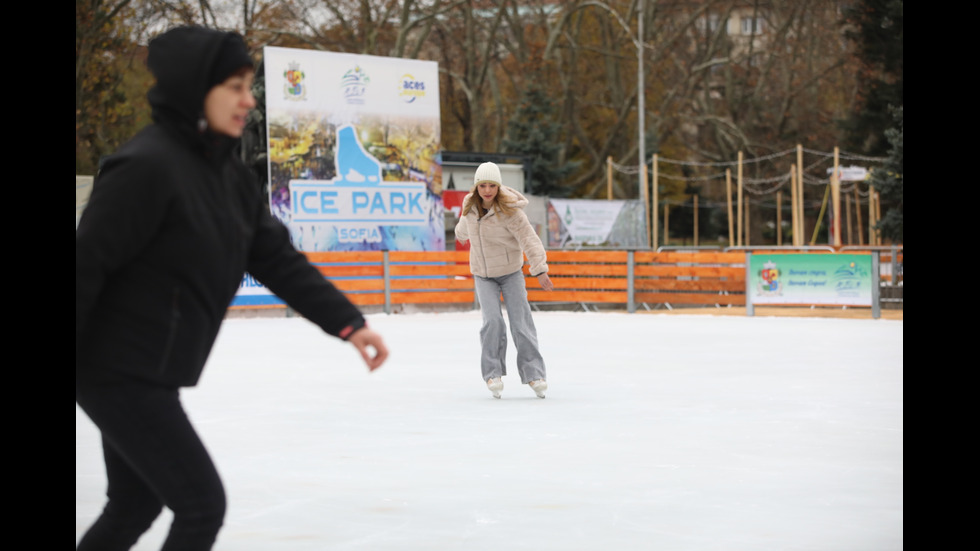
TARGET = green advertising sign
(837,279)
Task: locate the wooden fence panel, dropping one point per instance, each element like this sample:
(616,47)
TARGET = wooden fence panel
(607,297)
(702,277)
(430,277)
(583,277)
(358,274)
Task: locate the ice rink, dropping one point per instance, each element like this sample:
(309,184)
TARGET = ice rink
(659,432)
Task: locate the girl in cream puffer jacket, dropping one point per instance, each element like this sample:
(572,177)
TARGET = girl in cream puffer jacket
(494,222)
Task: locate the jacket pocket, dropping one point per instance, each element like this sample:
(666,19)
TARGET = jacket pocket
(174,326)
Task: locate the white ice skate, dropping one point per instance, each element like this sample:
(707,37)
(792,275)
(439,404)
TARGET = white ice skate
(539,387)
(495,385)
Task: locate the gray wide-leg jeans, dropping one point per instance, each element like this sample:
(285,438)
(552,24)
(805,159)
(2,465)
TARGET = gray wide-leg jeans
(493,334)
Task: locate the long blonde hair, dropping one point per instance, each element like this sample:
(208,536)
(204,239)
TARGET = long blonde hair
(503,201)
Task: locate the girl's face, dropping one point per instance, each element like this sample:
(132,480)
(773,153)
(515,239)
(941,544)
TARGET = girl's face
(487,191)
(227,105)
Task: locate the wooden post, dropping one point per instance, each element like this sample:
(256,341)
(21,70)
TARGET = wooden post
(748,231)
(871,216)
(801,220)
(835,199)
(646,205)
(792,206)
(857,211)
(739,184)
(802,206)
(779,218)
(609,178)
(728,196)
(666,224)
(695,219)
(877,217)
(823,211)
(847,219)
(655,206)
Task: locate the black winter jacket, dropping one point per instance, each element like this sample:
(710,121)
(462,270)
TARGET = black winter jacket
(174,221)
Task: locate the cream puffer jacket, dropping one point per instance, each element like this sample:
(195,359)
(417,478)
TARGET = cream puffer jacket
(498,241)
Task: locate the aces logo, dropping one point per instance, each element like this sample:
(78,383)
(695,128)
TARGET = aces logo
(295,87)
(410,88)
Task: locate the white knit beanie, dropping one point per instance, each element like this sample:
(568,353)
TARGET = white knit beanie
(487,172)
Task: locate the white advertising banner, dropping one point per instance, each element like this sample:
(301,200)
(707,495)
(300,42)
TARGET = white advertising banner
(588,222)
(354,146)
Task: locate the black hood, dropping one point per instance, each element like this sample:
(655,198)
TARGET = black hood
(183,62)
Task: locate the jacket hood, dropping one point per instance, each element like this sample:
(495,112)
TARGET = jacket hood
(512,196)
(183,60)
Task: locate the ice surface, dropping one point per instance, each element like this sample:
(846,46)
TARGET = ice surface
(659,432)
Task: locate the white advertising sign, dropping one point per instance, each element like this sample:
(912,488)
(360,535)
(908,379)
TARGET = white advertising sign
(354,144)
(578,222)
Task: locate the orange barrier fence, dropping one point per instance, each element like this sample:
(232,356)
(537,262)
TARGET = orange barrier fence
(691,278)
(586,278)
(632,277)
(398,277)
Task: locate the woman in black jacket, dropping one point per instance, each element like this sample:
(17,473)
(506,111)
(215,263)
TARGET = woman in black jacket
(174,221)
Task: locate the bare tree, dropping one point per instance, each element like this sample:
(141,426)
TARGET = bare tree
(720,76)
(469,53)
(110,80)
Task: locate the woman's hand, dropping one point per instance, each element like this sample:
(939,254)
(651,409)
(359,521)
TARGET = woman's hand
(371,346)
(545,282)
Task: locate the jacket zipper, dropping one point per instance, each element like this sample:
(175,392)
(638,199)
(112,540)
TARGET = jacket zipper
(479,230)
(172,337)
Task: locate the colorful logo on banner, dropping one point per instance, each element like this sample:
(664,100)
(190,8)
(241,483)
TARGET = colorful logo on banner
(769,275)
(355,83)
(295,88)
(411,89)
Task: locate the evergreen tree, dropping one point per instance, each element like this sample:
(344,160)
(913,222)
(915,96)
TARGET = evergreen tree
(877,27)
(533,133)
(889,180)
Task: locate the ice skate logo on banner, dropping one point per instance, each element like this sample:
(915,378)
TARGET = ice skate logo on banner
(358,200)
(355,83)
(769,275)
(411,89)
(295,88)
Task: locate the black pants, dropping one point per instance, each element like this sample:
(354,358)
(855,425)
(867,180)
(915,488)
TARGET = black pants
(153,458)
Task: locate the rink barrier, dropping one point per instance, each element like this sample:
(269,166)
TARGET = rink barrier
(891,258)
(642,278)
(587,279)
(398,277)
